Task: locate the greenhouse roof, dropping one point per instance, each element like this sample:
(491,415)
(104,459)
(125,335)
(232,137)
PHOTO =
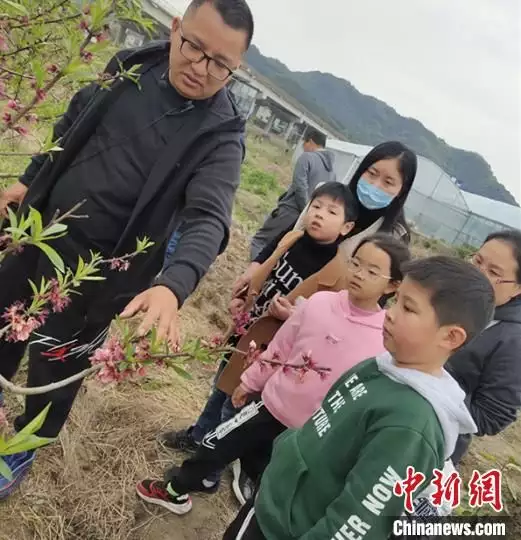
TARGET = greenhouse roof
(500,212)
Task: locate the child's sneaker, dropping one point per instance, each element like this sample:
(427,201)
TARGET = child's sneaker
(19,464)
(155,492)
(242,486)
(180,440)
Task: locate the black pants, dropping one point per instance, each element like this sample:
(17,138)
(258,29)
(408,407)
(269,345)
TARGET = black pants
(58,349)
(248,436)
(245,525)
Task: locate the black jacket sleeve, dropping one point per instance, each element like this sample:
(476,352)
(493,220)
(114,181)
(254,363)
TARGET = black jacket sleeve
(206,219)
(489,372)
(497,398)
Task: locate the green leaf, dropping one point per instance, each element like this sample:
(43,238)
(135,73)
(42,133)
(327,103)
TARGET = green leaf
(30,442)
(181,372)
(57,228)
(35,218)
(53,256)
(38,72)
(13,221)
(16,6)
(5,471)
(33,426)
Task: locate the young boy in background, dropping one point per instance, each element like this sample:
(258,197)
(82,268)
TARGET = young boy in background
(334,477)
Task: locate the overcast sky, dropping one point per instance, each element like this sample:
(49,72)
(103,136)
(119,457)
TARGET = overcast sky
(455,65)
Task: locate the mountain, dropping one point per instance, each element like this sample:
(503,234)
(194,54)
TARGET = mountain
(366,120)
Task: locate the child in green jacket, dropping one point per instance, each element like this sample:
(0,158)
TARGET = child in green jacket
(333,478)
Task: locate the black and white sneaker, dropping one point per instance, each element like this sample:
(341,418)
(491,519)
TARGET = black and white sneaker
(242,486)
(180,440)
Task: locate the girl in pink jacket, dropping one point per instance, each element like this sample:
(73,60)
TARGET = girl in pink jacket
(327,335)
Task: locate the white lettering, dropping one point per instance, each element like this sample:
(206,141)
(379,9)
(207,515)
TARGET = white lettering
(336,401)
(373,505)
(375,501)
(358,525)
(358,391)
(351,380)
(382,493)
(321,420)
(390,477)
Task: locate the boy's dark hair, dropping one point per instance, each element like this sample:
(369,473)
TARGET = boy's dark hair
(460,293)
(318,138)
(340,193)
(398,252)
(235,13)
(513,239)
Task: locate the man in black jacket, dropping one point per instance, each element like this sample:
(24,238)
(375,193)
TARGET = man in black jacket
(144,158)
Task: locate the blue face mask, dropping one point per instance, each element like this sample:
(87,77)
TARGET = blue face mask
(372,197)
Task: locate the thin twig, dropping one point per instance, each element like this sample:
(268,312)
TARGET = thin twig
(35,390)
(45,89)
(52,21)
(10,175)
(17,74)
(9,154)
(31,391)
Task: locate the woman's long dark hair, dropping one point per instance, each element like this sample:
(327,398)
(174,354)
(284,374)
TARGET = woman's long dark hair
(407,165)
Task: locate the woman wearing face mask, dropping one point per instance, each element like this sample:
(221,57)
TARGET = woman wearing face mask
(381,184)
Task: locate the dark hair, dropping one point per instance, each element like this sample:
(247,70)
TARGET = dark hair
(318,138)
(513,239)
(235,13)
(407,165)
(338,192)
(460,293)
(398,252)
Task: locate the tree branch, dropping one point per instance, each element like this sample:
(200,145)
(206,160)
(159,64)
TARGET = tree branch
(36,390)
(45,89)
(17,74)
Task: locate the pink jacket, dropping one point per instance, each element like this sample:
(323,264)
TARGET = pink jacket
(337,334)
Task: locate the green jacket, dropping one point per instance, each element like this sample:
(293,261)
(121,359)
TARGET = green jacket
(334,477)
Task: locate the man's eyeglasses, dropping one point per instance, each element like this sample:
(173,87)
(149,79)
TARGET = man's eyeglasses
(478,262)
(191,51)
(356,267)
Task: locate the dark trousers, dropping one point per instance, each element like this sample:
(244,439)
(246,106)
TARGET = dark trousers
(218,409)
(248,436)
(58,349)
(245,525)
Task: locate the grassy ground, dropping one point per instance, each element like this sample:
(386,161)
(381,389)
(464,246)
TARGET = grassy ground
(82,487)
